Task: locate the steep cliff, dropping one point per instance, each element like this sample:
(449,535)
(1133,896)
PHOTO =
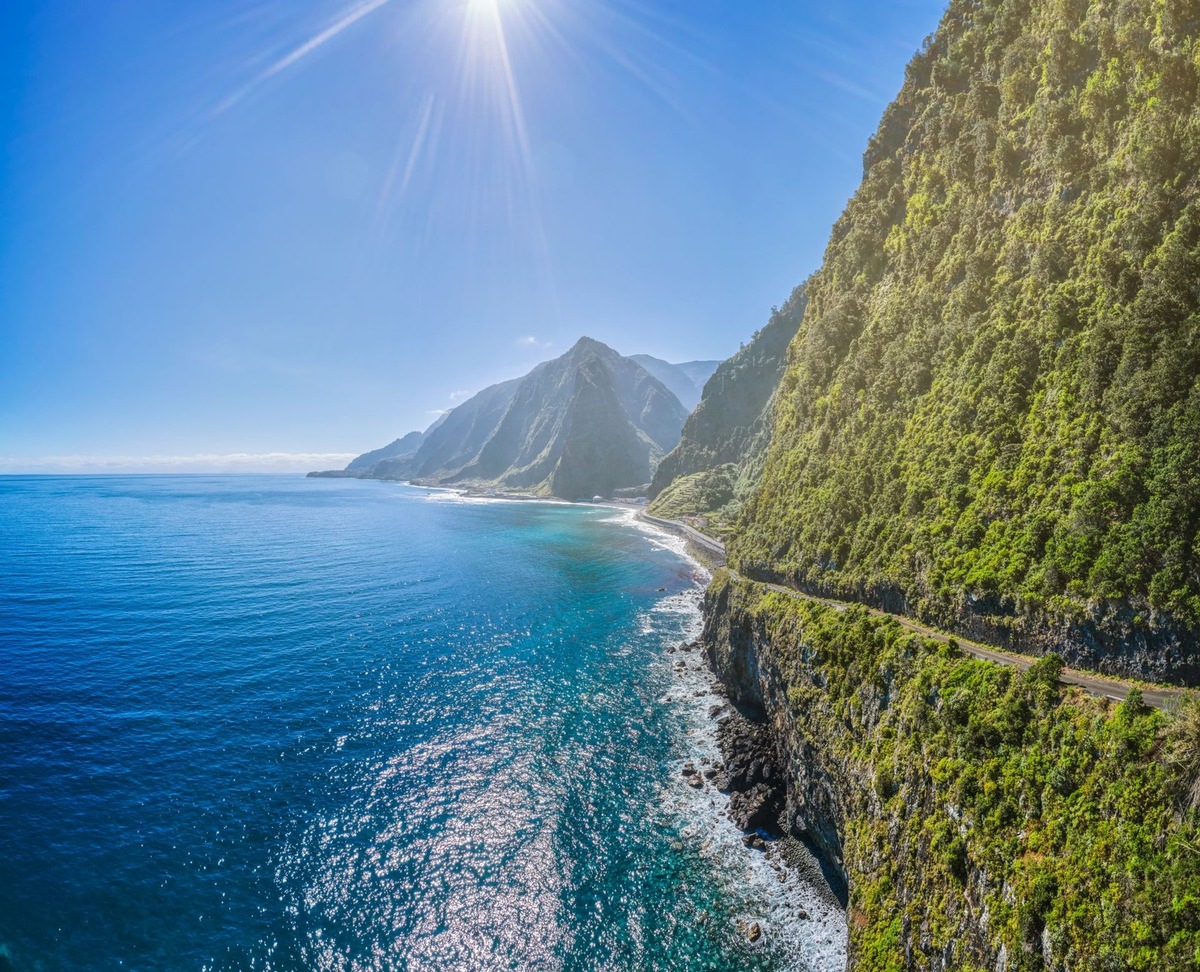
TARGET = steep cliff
(602,449)
(982,818)
(720,453)
(991,414)
(403,448)
(455,438)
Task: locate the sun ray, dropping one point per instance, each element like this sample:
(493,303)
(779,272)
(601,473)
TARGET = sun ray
(351,17)
(396,183)
(478,108)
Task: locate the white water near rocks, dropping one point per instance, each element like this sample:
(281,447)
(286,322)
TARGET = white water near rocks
(799,919)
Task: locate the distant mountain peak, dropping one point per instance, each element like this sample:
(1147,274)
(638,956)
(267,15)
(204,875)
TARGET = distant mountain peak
(585,423)
(685,379)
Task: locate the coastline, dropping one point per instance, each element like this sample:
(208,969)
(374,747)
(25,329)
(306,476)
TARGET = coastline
(706,549)
(778,900)
(778,887)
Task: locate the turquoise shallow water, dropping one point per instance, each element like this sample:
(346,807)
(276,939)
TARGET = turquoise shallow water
(278,723)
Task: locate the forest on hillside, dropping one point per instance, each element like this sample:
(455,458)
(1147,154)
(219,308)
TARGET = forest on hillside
(992,407)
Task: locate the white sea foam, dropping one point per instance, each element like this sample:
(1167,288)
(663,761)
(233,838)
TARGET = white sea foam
(762,887)
(661,538)
(768,892)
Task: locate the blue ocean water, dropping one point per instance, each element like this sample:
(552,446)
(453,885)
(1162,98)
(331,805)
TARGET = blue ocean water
(279,723)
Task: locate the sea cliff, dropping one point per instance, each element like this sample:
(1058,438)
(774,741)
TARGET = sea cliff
(980,818)
(990,413)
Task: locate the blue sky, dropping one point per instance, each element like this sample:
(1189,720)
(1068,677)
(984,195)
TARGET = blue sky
(261,234)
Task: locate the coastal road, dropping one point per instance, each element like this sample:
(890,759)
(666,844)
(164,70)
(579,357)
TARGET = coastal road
(714,549)
(1159,696)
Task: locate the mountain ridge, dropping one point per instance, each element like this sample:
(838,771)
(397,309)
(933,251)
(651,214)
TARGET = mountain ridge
(586,423)
(723,445)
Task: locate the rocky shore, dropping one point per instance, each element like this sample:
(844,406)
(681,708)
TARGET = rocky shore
(750,774)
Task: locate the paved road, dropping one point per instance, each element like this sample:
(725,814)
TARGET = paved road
(713,548)
(1158,696)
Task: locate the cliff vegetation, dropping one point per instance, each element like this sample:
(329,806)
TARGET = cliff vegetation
(990,416)
(721,450)
(983,818)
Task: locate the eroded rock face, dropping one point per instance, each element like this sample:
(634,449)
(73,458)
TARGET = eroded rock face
(778,783)
(757,808)
(751,775)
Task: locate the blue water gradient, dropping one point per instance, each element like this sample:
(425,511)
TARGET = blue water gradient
(278,723)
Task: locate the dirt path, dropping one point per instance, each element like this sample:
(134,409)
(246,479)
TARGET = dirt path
(1158,696)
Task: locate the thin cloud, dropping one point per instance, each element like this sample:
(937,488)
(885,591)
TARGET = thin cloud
(456,395)
(196,462)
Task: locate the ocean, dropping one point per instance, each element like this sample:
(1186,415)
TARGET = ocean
(258,722)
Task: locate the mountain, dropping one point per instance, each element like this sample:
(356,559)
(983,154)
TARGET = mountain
(720,454)
(587,423)
(990,418)
(455,438)
(686,380)
(401,448)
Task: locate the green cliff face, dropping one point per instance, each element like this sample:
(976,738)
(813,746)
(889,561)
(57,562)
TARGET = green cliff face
(720,454)
(982,818)
(991,413)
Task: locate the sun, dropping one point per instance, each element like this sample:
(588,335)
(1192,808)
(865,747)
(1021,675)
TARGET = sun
(490,8)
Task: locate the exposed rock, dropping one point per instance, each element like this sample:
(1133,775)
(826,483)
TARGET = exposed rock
(757,808)
(749,752)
